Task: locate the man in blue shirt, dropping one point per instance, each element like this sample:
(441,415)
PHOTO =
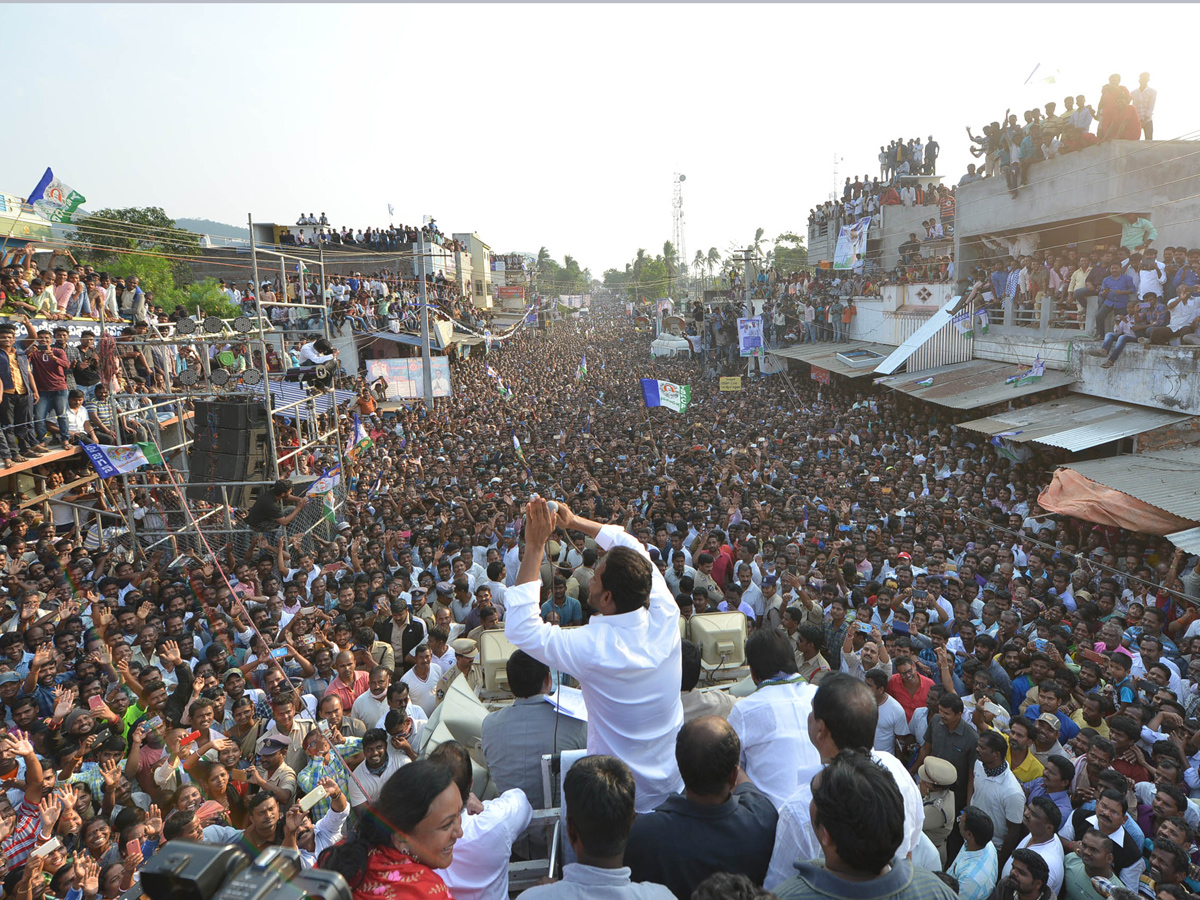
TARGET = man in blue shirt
(1115,292)
(568,609)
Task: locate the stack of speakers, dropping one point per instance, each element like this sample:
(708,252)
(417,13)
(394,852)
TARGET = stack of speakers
(229,445)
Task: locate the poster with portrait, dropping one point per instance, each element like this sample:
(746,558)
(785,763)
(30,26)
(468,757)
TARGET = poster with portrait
(750,336)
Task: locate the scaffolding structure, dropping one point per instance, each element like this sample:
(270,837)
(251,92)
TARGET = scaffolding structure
(153,513)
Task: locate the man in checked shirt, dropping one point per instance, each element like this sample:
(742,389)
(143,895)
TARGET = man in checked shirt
(19,826)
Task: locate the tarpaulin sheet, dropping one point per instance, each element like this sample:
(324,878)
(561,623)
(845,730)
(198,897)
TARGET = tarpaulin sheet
(1071,494)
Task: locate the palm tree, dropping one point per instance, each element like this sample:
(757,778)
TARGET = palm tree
(713,259)
(543,257)
(698,264)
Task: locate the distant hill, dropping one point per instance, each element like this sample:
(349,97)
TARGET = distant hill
(216,229)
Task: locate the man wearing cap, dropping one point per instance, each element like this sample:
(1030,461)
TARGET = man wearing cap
(1045,744)
(465,653)
(937,790)
(272,773)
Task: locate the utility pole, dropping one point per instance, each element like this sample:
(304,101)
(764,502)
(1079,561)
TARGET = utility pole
(426,361)
(749,308)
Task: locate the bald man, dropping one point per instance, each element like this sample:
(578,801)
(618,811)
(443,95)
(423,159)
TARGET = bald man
(719,810)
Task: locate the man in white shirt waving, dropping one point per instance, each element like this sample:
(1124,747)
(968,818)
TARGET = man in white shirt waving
(628,657)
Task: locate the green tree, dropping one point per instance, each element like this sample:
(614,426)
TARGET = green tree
(790,253)
(145,228)
(157,277)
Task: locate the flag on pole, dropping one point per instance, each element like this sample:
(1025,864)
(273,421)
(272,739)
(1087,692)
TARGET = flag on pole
(924,382)
(110,460)
(326,483)
(390,209)
(517,447)
(983,321)
(665,393)
(323,487)
(582,373)
(53,200)
(359,441)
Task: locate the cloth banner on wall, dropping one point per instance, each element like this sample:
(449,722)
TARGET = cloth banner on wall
(851,244)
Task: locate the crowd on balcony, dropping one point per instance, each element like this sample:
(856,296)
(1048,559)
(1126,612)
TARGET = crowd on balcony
(1012,147)
(1140,295)
(375,240)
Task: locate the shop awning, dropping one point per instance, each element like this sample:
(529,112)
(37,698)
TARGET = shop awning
(412,340)
(1165,479)
(852,359)
(970,385)
(1074,423)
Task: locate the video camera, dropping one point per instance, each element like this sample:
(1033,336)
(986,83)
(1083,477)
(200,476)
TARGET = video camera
(182,870)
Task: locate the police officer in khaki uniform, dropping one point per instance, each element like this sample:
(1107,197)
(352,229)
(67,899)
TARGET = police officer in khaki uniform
(466,652)
(937,787)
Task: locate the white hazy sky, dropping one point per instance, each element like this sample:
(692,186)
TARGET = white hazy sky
(555,125)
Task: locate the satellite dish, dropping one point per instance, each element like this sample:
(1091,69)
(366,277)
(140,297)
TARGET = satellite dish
(683,178)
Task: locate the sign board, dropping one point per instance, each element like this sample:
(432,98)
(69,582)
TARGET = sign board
(733,383)
(821,375)
(405,380)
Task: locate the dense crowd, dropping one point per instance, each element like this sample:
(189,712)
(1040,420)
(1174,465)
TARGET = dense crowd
(1013,146)
(950,692)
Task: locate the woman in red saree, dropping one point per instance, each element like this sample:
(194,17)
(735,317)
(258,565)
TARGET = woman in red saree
(407,833)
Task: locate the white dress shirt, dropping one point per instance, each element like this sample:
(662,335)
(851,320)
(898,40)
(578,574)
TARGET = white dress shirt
(795,839)
(772,724)
(479,870)
(630,666)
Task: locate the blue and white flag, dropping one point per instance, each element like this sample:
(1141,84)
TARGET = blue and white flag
(112,460)
(665,393)
(53,200)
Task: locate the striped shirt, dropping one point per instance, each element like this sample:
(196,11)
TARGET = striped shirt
(23,837)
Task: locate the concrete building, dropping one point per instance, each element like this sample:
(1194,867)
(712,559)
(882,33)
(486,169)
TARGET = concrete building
(1148,401)
(481,271)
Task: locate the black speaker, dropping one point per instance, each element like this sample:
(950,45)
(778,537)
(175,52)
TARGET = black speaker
(229,444)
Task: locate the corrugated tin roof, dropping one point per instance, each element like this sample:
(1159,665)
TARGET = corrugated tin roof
(1075,422)
(1165,479)
(823,354)
(1187,541)
(970,385)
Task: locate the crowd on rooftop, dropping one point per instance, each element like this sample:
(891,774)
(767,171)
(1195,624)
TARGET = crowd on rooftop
(1012,147)
(375,239)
